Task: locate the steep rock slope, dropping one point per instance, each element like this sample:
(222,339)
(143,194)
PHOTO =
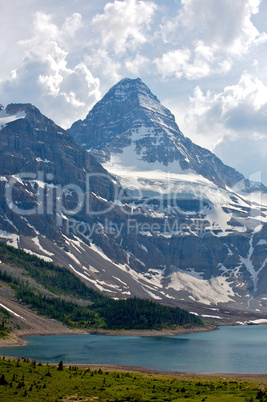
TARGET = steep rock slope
(175,236)
(130,126)
(203,216)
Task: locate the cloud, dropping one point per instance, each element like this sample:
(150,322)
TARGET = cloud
(100,60)
(124,24)
(232,122)
(60,62)
(223,24)
(119,34)
(71,25)
(62,56)
(136,64)
(247,155)
(192,65)
(207,36)
(44,78)
(238,110)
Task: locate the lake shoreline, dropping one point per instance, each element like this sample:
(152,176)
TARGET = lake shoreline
(16,338)
(86,355)
(182,375)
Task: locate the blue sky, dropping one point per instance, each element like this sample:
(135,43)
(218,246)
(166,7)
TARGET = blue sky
(205,60)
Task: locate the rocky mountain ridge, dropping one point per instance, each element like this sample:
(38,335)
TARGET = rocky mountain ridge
(175,236)
(129,118)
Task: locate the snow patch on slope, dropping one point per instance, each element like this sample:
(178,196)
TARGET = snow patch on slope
(11,311)
(37,243)
(42,257)
(7,118)
(206,291)
(248,262)
(98,284)
(262,242)
(43,160)
(11,238)
(211,316)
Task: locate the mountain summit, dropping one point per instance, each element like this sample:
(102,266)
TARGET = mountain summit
(170,226)
(130,128)
(175,184)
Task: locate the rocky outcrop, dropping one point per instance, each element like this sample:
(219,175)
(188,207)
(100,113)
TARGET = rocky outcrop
(130,114)
(178,238)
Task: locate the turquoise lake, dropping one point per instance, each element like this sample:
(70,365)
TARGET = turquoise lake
(234,349)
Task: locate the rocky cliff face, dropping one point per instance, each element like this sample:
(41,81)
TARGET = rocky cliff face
(205,214)
(130,126)
(31,142)
(161,228)
(46,178)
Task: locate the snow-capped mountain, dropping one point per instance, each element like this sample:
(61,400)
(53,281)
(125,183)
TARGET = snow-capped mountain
(208,215)
(138,141)
(46,178)
(160,229)
(130,128)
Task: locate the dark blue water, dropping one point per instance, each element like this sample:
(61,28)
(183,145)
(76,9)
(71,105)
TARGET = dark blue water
(236,349)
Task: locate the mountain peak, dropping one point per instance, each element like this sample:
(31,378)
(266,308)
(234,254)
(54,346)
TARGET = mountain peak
(25,111)
(14,108)
(137,93)
(10,114)
(31,142)
(129,127)
(128,115)
(127,82)
(127,86)
(172,237)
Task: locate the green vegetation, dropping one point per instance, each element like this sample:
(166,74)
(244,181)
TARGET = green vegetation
(4,327)
(56,279)
(25,380)
(96,311)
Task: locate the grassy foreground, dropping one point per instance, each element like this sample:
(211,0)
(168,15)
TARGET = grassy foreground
(24,380)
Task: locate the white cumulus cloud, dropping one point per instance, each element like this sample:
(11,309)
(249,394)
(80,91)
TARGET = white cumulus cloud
(44,78)
(100,60)
(125,24)
(191,53)
(232,123)
(211,34)
(223,24)
(136,64)
(192,65)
